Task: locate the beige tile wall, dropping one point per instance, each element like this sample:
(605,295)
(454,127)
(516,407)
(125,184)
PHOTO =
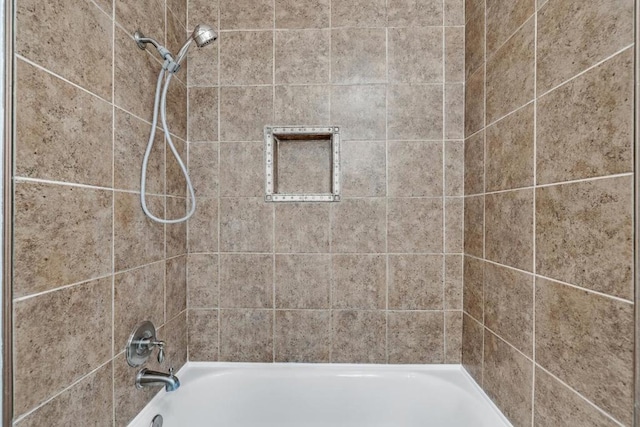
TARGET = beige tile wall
(548,295)
(377,277)
(88,265)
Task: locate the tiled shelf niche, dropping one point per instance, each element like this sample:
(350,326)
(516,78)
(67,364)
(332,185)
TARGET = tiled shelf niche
(302,164)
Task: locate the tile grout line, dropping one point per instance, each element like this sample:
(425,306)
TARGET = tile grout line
(534,227)
(218,221)
(484,181)
(331,206)
(444,183)
(539,276)
(386,199)
(113,214)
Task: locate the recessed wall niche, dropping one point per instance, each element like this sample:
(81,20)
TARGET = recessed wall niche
(302,164)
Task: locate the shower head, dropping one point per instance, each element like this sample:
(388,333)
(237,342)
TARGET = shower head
(203,35)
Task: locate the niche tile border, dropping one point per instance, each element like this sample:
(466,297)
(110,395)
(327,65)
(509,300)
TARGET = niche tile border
(272,136)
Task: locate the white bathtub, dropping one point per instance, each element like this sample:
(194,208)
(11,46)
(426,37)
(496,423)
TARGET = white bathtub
(320,395)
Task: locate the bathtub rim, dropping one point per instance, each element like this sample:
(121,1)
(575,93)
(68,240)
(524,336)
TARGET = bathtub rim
(474,386)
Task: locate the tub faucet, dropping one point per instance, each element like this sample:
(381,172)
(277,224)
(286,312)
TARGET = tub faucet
(148,378)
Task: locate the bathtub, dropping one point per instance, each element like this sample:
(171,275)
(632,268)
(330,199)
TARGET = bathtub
(322,395)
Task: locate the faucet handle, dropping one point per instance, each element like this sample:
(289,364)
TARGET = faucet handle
(160,345)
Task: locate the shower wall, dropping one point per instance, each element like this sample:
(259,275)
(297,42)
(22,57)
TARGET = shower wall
(376,277)
(88,266)
(548,291)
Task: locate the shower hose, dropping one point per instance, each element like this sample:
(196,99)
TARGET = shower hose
(161,102)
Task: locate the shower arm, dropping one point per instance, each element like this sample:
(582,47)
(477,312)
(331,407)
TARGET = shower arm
(170,64)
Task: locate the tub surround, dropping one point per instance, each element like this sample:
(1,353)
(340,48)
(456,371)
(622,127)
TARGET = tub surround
(88,264)
(376,277)
(548,292)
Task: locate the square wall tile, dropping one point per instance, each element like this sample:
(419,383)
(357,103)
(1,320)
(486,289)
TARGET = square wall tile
(302,105)
(584,234)
(454,12)
(139,294)
(415,225)
(203,65)
(416,55)
(358,55)
(302,281)
(509,228)
(246,335)
(358,225)
(130,139)
(144,15)
(359,282)
(256,105)
(472,347)
(508,305)
(246,58)
(474,103)
(175,182)
(246,281)
(474,37)
(302,57)
(246,225)
(203,227)
(453,273)
(563,49)
(303,14)
(364,168)
(203,11)
(47,218)
(175,286)
(454,168)
(555,403)
(246,14)
(302,227)
(414,13)
(454,54)
(89,402)
(302,336)
(416,337)
(504,18)
(360,111)
(203,114)
(73,316)
(415,112)
(203,168)
(53,141)
(415,282)
(415,169)
(585,127)
(202,280)
(241,169)
(587,341)
(454,225)
(358,336)
(202,329)
(509,151)
(474,226)
(358,13)
(508,379)
(454,111)
(66,25)
(453,337)
(511,74)
(177,115)
(473,288)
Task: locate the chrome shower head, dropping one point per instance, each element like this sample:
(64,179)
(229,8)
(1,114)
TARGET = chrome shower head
(203,35)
